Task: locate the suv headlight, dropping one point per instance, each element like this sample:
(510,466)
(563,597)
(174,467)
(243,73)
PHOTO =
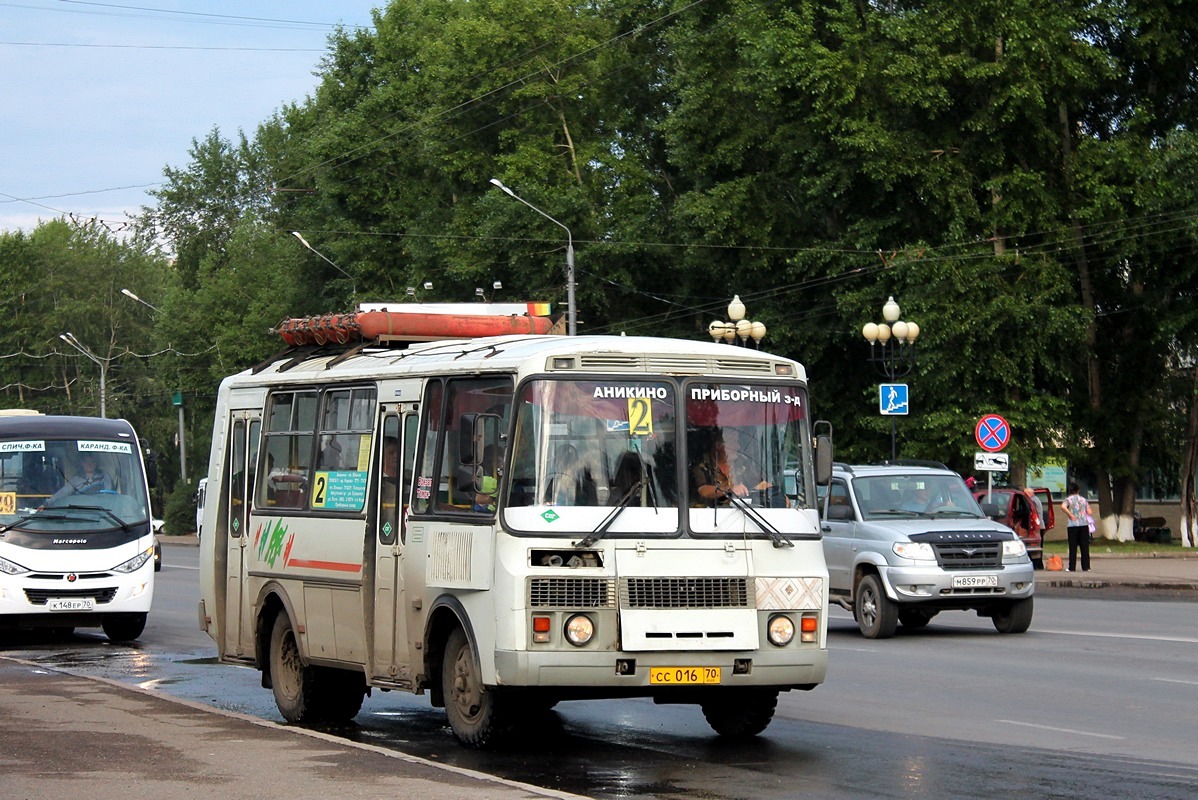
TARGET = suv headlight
(11,567)
(137,562)
(917,551)
(1013,550)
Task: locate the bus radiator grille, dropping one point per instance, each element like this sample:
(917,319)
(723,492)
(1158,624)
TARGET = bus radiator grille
(726,592)
(571,593)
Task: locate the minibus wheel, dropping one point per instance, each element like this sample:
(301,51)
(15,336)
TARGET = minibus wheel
(123,627)
(476,714)
(292,681)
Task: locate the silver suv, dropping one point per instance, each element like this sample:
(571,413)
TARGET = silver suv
(906,540)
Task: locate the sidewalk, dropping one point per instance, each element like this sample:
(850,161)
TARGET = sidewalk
(68,736)
(1173,571)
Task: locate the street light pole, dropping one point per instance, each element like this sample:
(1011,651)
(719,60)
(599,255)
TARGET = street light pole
(130,294)
(571,323)
(70,339)
(892,352)
(177,399)
(353,283)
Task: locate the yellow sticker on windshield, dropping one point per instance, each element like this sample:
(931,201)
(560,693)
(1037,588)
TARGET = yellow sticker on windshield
(8,502)
(640,416)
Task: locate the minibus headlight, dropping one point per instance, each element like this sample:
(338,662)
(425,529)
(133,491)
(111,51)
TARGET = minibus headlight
(11,567)
(137,562)
(579,630)
(781,630)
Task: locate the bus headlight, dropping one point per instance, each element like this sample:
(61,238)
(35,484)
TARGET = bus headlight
(11,567)
(781,630)
(579,630)
(137,562)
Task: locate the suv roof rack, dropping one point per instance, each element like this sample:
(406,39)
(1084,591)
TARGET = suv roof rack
(913,462)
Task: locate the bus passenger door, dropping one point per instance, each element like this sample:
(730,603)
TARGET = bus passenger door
(239,490)
(397,445)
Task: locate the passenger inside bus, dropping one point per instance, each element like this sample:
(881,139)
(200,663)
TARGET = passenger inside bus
(572,482)
(390,471)
(484,497)
(732,468)
(90,479)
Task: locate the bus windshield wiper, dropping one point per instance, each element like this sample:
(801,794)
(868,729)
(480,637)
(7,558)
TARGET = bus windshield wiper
(610,519)
(747,509)
(16,523)
(124,525)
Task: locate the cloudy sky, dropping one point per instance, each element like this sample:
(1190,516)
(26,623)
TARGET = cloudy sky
(99,97)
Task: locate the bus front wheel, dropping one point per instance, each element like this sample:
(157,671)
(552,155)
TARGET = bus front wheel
(476,715)
(123,627)
(740,713)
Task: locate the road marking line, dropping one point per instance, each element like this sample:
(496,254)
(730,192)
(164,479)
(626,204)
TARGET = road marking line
(1060,730)
(1173,680)
(1177,639)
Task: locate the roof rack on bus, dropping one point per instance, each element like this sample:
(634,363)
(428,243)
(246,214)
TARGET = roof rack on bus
(403,323)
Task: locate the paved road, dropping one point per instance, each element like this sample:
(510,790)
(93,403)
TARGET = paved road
(63,734)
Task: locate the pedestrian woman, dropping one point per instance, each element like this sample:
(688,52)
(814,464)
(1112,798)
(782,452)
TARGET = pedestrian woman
(1077,509)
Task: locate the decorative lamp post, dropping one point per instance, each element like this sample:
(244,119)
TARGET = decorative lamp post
(571,318)
(892,352)
(737,327)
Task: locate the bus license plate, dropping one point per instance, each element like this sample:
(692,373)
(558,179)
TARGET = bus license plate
(972,581)
(71,604)
(683,676)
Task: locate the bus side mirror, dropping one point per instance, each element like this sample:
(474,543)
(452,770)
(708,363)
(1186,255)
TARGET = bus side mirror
(823,459)
(151,470)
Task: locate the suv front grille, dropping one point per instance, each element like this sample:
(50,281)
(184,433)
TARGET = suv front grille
(968,555)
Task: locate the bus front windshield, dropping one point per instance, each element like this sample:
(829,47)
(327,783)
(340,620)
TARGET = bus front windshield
(660,444)
(70,485)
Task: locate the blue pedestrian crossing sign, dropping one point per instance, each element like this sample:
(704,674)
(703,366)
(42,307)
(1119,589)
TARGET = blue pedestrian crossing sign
(893,399)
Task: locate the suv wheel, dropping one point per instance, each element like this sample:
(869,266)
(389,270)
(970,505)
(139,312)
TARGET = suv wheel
(877,616)
(1014,617)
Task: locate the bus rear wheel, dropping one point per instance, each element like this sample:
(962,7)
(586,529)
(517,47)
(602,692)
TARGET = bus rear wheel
(740,714)
(123,627)
(476,715)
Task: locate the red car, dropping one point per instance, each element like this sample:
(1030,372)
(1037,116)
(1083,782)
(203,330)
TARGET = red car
(1028,512)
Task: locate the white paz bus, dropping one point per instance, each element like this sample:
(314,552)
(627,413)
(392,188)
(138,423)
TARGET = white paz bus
(76,545)
(507,522)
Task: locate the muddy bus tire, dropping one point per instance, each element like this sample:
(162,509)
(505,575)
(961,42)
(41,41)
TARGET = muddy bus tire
(477,716)
(293,682)
(123,627)
(740,714)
